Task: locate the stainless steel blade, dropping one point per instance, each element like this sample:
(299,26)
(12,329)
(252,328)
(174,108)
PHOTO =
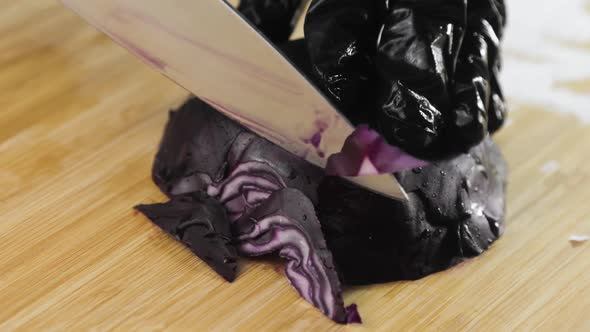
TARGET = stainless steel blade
(209,49)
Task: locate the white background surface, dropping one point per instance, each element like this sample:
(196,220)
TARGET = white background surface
(547,44)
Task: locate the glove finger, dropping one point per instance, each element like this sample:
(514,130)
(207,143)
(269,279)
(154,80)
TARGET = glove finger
(273,18)
(416,58)
(340,37)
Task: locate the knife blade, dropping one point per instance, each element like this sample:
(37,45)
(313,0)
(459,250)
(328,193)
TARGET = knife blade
(206,47)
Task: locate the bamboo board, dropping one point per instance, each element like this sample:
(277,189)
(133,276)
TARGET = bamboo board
(80,121)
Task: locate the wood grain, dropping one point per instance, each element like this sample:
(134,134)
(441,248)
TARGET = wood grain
(79,124)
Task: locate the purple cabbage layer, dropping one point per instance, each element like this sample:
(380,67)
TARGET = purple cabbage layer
(232,192)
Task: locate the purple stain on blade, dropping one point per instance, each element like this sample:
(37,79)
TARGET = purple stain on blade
(352,315)
(138,51)
(316,139)
(365,152)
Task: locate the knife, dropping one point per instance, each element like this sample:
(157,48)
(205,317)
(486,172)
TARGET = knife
(207,47)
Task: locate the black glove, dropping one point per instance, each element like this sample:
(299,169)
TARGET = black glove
(274,18)
(422,72)
(341,36)
(478,103)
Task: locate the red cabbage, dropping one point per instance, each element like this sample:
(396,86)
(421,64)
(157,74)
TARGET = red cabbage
(286,223)
(365,152)
(248,185)
(232,191)
(455,208)
(200,223)
(352,315)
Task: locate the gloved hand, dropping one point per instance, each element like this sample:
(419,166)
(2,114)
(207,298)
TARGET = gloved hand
(274,18)
(422,72)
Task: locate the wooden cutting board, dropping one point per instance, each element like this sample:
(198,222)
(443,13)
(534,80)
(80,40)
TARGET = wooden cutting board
(80,120)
